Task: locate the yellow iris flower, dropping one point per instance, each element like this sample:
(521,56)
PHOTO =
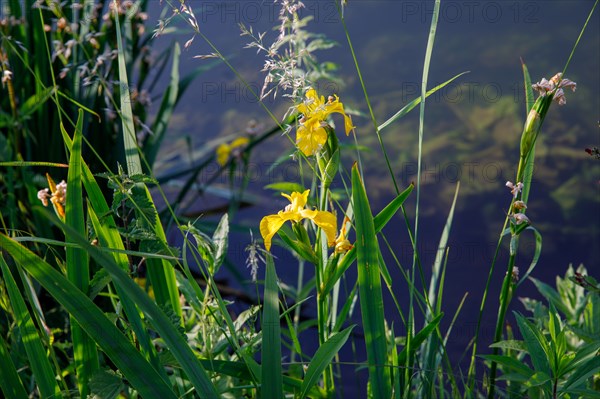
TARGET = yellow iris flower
(295,211)
(224,150)
(311,133)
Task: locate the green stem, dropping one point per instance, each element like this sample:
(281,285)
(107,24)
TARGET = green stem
(505,297)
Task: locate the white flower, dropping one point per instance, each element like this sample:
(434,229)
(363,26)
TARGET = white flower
(520,218)
(43,196)
(6,76)
(515,189)
(556,85)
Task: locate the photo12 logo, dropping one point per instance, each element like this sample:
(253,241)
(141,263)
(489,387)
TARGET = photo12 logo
(472,12)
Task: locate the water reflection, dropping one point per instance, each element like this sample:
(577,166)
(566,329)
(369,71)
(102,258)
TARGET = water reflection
(472,128)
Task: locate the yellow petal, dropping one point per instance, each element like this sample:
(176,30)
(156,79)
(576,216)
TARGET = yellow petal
(269,225)
(348,124)
(222,153)
(337,107)
(325,220)
(310,137)
(298,201)
(239,142)
(51,183)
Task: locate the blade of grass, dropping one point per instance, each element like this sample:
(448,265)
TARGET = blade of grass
(322,358)
(379,221)
(38,360)
(271,381)
(10,383)
(115,345)
(411,105)
(109,237)
(160,273)
(370,294)
(429,356)
(159,127)
(84,349)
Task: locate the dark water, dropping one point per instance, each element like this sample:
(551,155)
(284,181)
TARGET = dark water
(472,132)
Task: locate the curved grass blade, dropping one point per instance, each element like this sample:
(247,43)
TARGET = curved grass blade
(322,358)
(370,294)
(271,381)
(409,107)
(115,345)
(38,360)
(536,254)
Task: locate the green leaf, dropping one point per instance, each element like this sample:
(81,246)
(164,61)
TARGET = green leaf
(43,371)
(408,107)
(303,250)
(529,95)
(584,371)
(78,272)
(286,187)
(106,385)
(271,383)
(34,102)
(112,341)
(390,210)
(167,106)
(510,364)
(220,240)
(134,166)
(322,358)
(10,383)
(510,344)
(419,338)
(536,254)
(370,294)
(536,344)
(379,221)
(551,295)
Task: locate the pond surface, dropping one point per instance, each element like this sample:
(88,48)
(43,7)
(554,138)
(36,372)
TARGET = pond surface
(472,132)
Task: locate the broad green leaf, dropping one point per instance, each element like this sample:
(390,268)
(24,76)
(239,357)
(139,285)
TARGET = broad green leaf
(370,295)
(322,358)
(271,383)
(536,344)
(106,385)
